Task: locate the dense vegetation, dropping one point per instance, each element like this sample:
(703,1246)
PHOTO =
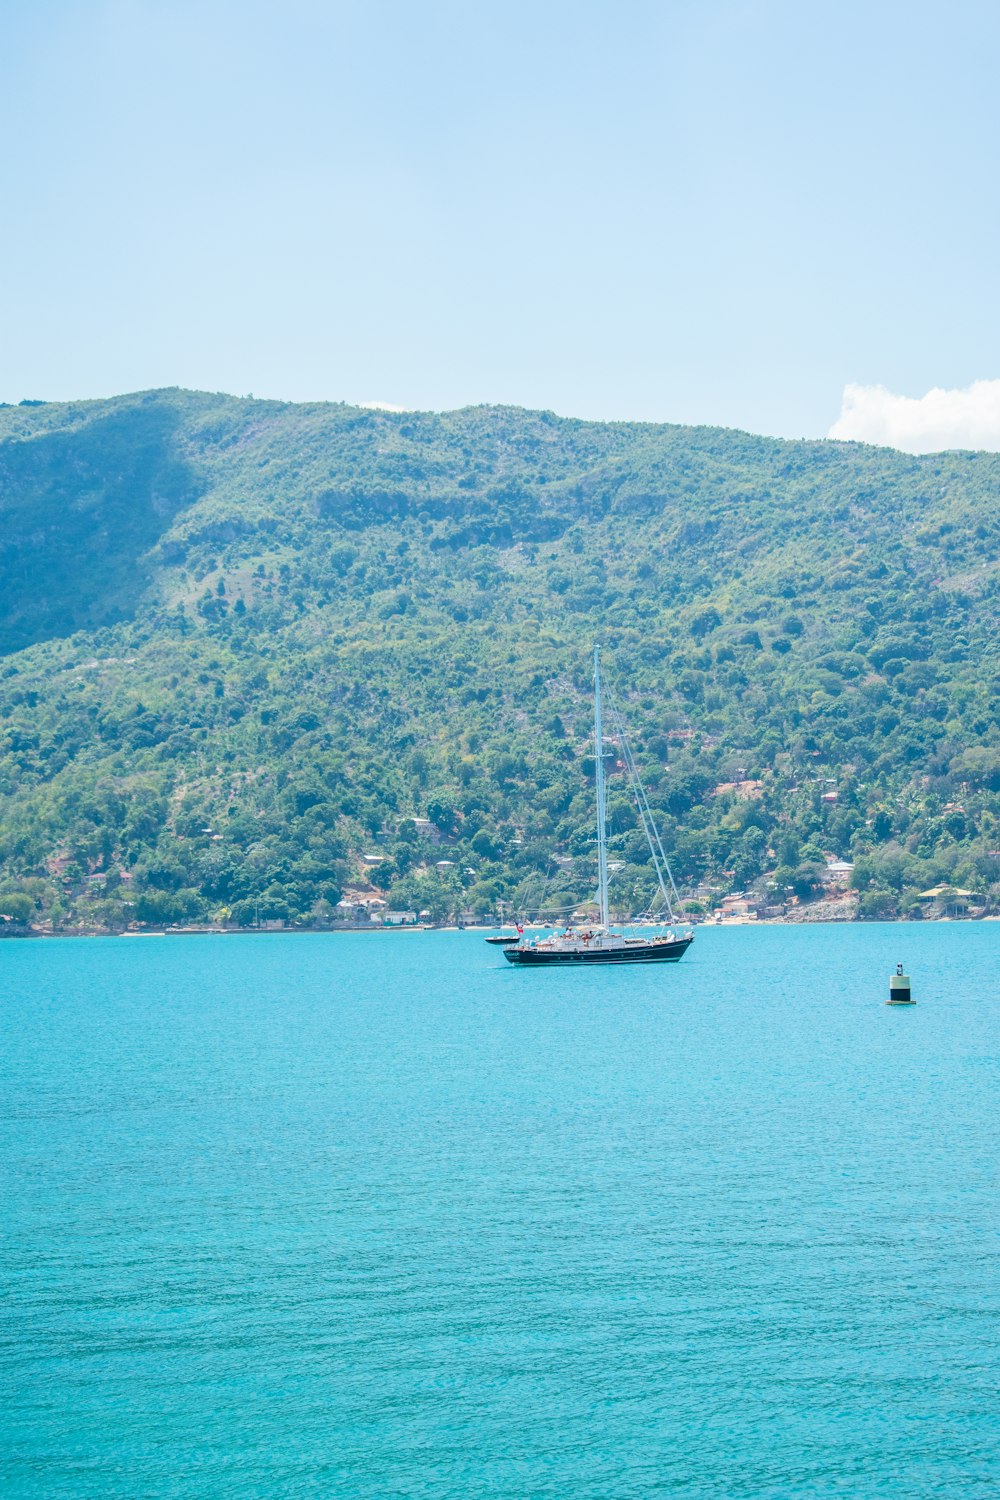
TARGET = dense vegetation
(244,643)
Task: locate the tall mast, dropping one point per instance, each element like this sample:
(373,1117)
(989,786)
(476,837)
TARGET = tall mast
(602,809)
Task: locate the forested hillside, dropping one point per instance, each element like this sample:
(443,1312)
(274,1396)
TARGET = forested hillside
(245,643)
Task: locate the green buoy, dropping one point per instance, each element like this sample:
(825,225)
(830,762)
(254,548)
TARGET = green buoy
(899,988)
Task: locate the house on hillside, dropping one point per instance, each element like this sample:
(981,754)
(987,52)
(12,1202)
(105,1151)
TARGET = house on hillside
(425,829)
(743,790)
(948,901)
(737,908)
(351,911)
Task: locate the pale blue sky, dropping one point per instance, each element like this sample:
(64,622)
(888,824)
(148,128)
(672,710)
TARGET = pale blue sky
(717,212)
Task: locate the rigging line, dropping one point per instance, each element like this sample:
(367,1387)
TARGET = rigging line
(601,794)
(653,830)
(650,829)
(525,891)
(547,879)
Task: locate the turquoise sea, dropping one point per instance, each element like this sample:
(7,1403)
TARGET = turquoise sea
(377,1215)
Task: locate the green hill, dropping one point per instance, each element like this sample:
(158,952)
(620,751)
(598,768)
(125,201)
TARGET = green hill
(243,643)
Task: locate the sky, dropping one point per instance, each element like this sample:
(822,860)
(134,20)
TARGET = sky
(776,216)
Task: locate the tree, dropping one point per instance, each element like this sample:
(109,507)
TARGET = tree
(807,881)
(749,859)
(155,908)
(16,907)
(704,622)
(878,906)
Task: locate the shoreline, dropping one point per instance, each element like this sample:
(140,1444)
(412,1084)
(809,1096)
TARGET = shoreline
(271,932)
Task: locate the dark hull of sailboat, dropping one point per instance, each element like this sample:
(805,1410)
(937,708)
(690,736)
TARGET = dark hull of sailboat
(634,953)
(502,942)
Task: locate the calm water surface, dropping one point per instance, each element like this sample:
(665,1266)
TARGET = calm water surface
(377,1215)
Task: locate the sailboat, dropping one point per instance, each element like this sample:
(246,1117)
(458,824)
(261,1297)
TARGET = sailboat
(599,943)
(504,939)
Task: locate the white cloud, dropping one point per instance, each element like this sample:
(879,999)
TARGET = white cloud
(969,418)
(381,406)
